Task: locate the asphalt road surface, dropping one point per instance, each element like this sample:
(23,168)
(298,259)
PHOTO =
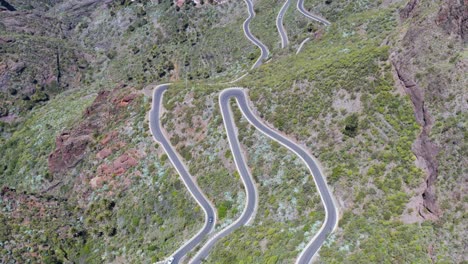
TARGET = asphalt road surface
(264,50)
(331,211)
(300,7)
(280,26)
(239,159)
(159,136)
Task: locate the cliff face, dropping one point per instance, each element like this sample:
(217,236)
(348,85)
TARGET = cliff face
(72,145)
(417,55)
(425,150)
(429,65)
(453,18)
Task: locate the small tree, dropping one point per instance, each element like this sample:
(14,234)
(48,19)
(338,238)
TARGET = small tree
(351,125)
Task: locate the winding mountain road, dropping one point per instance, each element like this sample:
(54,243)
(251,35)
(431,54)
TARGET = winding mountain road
(331,211)
(159,136)
(300,7)
(280,26)
(239,159)
(246,26)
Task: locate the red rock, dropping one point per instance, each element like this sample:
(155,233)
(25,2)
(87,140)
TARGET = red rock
(104,153)
(71,146)
(96,182)
(107,138)
(119,171)
(98,102)
(104,169)
(68,152)
(127,100)
(124,162)
(119,166)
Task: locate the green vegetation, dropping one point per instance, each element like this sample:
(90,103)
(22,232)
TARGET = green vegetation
(168,43)
(263,26)
(337,98)
(26,150)
(351,125)
(119,218)
(31,67)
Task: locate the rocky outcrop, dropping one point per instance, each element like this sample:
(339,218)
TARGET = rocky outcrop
(119,166)
(179,3)
(108,171)
(408,9)
(425,151)
(453,18)
(411,58)
(126,100)
(72,145)
(108,137)
(104,153)
(69,151)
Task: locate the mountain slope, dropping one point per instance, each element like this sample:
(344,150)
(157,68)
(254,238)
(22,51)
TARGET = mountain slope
(378,97)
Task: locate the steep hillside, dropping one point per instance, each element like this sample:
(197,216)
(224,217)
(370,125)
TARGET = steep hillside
(378,97)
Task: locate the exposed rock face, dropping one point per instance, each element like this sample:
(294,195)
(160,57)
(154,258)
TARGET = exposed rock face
(71,146)
(108,137)
(180,3)
(104,153)
(453,17)
(408,9)
(118,166)
(423,148)
(69,151)
(127,100)
(417,54)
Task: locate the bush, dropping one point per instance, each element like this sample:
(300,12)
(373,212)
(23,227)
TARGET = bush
(351,125)
(40,96)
